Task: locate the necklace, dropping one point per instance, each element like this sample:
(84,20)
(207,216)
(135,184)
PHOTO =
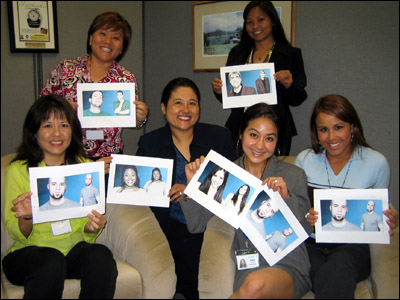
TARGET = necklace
(250,58)
(345,177)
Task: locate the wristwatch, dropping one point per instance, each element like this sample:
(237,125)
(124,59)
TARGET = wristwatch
(34,20)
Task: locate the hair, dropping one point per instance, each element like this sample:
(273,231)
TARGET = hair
(152,173)
(243,49)
(41,110)
(120,92)
(205,185)
(137,182)
(176,83)
(259,110)
(114,21)
(340,107)
(95,91)
(236,195)
(234,72)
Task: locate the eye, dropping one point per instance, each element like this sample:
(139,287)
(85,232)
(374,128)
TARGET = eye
(322,129)
(249,22)
(193,103)
(338,127)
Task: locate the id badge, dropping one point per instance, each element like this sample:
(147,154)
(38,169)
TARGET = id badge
(95,134)
(61,227)
(245,259)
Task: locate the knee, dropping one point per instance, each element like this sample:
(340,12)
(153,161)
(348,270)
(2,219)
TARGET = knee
(252,287)
(108,264)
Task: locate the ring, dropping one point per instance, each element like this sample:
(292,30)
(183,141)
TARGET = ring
(307,214)
(276,180)
(180,193)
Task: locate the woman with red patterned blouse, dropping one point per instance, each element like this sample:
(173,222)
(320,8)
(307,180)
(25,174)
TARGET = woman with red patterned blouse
(107,42)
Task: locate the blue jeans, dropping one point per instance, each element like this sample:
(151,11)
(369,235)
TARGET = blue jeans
(42,271)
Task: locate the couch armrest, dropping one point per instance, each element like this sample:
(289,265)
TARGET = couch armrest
(135,237)
(216,269)
(385,268)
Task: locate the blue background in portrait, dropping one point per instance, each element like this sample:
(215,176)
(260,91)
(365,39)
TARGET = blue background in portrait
(356,208)
(232,185)
(249,78)
(144,173)
(108,99)
(276,222)
(74,185)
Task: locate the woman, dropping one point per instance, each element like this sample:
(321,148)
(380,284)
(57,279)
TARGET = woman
(340,158)
(41,259)
(108,39)
(183,139)
(214,184)
(237,201)
(130,182)
(156,186)
(289,278)
(263,40)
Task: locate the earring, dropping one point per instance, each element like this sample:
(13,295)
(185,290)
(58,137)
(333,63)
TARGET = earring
(351,139)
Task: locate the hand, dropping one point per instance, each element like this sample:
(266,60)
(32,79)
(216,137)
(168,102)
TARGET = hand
(191,168)
(95,223)
(277,184)
(73,104)
(312,217)
(107,160)
(142,110)
(22,205)
(217,86)
(176,192)
(284,77)
(393,220)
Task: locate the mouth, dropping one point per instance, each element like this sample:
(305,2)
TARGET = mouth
(56,143)
(256,153)
(105,49)
(257,32)
(184,118)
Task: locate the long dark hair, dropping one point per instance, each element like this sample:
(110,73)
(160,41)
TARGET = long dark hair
(342,108)
(110,20)
(242,50)
(41,110)
(136,183)
(236,195)
(205,185)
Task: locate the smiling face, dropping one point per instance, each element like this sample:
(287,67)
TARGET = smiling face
(235,79)
(217,179)
(182,111)
(106,44)
(130,177)
(259,140)
(243,189)
(258,25)
(156,175)
(334,135)
(54,137)
(96,99)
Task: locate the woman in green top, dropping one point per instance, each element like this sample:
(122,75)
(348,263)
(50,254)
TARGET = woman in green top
(42,257)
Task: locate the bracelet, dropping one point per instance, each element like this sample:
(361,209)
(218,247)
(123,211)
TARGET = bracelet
(141,124)
(27,218)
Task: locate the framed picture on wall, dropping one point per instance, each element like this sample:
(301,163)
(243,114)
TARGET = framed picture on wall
(33,26)
(217,28)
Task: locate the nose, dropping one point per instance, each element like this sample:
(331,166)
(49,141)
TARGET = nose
(56,130)
(331,135)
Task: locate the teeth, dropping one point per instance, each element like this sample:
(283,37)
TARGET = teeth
(257,153)
(334,145)
(184,118)
(257,32)
(106,49)
(56,143)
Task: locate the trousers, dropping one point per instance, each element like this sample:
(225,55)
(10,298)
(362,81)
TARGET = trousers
(42,271)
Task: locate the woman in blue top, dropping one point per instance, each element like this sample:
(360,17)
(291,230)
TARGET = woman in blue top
(340,158)
(183,139)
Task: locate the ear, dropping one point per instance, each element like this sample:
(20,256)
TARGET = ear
(163,109)
(90,39)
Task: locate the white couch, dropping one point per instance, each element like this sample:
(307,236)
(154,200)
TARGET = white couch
(146,268)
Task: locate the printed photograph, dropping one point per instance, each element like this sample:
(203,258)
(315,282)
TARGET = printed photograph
(348,216)
(106,105)
(137,180)
(67,192)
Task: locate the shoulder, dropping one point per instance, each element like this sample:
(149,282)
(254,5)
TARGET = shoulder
(287,49)
(371,155)
(308,156)
(156,134)
(211,130)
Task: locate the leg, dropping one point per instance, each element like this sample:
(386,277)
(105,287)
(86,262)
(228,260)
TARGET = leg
(266,283)
(95,266)
(41,270)
(338,276)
